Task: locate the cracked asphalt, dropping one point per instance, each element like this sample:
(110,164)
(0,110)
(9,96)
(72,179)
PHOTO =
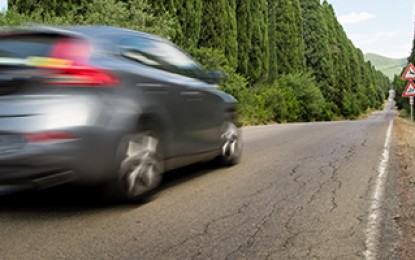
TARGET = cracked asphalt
(302,191)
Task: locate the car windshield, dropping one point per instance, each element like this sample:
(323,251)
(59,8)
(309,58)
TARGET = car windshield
(160,55)
(168,53)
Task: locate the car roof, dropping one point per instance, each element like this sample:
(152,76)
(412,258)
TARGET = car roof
(108,31)
(88,31)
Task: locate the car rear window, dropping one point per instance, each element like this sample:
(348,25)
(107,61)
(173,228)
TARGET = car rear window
(23,46)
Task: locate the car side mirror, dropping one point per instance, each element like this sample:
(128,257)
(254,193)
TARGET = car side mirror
(215,76)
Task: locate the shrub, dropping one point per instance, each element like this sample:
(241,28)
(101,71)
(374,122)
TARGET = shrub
(211,58)
(311,101)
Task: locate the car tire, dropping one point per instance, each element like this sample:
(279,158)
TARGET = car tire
(140,164)
(231,144)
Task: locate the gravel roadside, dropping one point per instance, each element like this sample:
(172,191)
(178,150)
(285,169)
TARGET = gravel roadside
(405,152)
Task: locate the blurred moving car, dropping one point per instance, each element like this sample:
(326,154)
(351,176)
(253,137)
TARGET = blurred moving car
(94,104)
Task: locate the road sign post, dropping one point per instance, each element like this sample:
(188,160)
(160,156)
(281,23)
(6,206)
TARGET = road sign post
(409,91)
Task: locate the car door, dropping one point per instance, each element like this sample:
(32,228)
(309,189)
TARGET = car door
(205,115)
(171,82)
(202,113)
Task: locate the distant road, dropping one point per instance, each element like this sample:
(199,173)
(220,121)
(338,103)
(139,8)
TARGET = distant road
(302,191)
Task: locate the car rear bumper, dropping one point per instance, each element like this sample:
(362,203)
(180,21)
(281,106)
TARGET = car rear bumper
(28,157)
(89,159)
(35,179)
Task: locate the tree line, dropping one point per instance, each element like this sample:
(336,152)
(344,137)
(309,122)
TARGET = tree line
(285,60)
(400,85)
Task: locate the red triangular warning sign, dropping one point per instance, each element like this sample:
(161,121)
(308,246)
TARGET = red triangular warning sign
(409,90)
(409,73)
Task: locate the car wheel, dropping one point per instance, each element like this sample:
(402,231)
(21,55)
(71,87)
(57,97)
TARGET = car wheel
(140,169)
(231,150)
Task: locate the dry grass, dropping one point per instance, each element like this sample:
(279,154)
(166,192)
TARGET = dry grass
(405,133)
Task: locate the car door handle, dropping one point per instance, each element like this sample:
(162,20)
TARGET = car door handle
(153,88)
(192,95)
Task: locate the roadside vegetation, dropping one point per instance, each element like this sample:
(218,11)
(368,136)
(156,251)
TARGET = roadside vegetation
(399,84)
(285,60)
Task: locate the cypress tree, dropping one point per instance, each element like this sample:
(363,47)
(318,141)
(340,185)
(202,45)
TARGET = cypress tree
(345,80)
(317,52)
(341,64)
(231,33)
(190,14)
(355,80)
(259,53)
(253,49)
(219,28)
(364,80)
(288,36)
(214,24)
(334,49)
(244,32)
(272,34)
(299,39)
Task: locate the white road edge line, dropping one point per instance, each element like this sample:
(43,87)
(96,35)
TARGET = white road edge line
(374,218)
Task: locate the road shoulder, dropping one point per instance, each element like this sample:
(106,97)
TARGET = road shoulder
(405,153)
(389,231)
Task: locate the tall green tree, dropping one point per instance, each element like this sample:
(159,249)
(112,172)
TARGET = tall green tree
(253,49)
(231,49)
(317,51)
(190,15)
(334,48)
(299,29)
(364,81)
(244,34)
(287,34)
(341,66)
(272,34)
(259,53)
(219,28)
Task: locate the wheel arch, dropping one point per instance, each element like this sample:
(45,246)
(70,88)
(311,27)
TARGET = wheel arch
(155,122)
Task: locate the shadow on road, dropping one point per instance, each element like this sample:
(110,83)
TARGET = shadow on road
(70,199)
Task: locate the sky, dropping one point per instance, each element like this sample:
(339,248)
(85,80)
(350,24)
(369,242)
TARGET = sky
(384,27)
(3,5)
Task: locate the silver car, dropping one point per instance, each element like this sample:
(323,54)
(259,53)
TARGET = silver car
(104,105)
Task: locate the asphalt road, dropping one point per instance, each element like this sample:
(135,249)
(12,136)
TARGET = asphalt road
(302,191)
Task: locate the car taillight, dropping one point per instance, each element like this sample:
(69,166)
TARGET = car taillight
(79,76)
(73,49)
(67,65)
(52,136)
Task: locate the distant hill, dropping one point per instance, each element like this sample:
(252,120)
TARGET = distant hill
(388,66)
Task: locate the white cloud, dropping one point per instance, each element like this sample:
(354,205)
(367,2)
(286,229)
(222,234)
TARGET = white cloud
(373,38)
(393,44)
(354,18)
